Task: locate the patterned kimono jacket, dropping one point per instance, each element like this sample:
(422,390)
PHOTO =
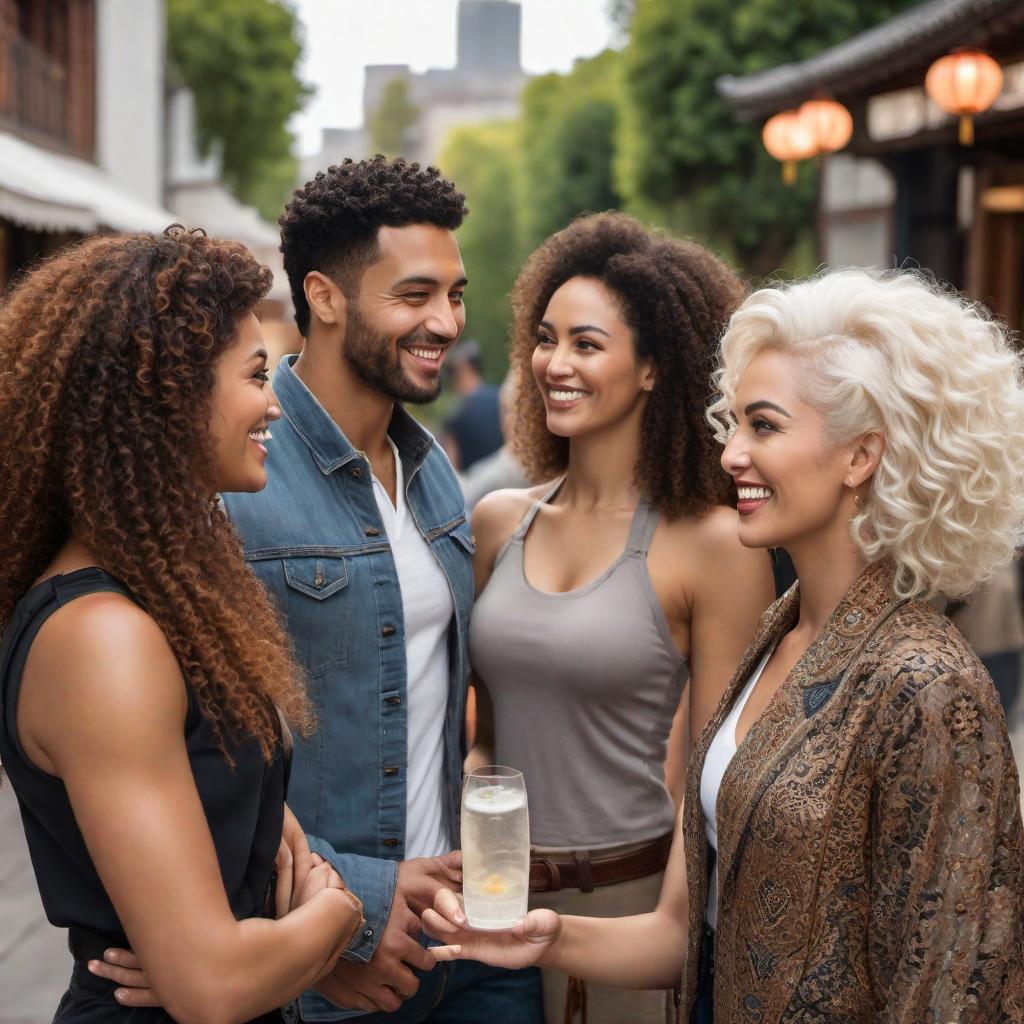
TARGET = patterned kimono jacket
(869,829)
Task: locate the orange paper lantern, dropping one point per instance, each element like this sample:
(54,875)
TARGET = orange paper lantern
(788,138)
(964,83)
(829,123)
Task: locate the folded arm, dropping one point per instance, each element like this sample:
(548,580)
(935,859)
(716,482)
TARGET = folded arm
(103,708)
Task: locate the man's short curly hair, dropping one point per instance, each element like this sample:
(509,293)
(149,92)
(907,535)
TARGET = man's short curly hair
(676,297)
(332,222)
(896,353)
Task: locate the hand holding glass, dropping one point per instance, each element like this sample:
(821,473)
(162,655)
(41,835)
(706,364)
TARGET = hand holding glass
(495,847)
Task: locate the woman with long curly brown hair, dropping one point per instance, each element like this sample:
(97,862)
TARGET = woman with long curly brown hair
(145,678)
(604,591)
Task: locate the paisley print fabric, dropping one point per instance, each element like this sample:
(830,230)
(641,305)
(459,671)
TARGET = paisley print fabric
(869,828)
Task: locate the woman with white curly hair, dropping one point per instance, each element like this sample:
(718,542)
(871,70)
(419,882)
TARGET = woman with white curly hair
(852,824)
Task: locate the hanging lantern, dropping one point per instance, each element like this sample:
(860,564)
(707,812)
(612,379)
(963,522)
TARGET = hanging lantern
(964,83)
(829,123)
(788,138)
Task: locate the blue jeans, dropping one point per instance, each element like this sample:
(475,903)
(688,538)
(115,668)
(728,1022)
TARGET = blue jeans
(467,992)
(704,1006)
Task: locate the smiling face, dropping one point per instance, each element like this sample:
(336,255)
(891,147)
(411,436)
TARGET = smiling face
(241,411)
(408,313)
(794,484)
(585,362)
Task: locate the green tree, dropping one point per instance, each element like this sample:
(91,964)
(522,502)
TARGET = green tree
(392,122)
(239,58)
(683,156)
(569,125)
(526,179)
(483,161)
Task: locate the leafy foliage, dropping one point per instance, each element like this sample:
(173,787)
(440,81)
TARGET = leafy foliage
(393,119)
(569,124)
(684,157)
(527,179)
(239,58)
(482,160)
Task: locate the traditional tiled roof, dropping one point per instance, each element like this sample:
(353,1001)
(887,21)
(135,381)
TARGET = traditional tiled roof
(871,59)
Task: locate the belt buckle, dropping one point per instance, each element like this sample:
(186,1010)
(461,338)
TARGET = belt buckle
(553,882)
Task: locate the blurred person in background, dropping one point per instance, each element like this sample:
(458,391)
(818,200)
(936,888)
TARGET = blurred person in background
(500,469)
(143,670)
(473,431)
(852,844)
(617,591)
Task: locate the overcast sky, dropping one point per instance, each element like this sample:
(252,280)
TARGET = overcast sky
(342,36)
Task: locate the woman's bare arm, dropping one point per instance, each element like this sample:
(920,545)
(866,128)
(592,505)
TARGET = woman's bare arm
(482,751)
(103,707)
(640,952)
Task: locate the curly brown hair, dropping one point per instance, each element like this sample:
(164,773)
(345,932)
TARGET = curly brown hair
(332,222)
(107,370)
(676,298)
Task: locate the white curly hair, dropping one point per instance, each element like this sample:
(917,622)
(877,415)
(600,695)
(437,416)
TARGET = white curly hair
(932,372)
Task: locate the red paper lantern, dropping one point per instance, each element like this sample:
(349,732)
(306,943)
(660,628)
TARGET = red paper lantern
(788,138)
(829,123)
(965,83)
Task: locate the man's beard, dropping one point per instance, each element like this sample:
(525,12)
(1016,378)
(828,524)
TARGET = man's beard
(376,360)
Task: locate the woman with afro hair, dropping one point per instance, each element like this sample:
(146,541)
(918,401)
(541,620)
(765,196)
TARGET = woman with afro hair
(614,597)
(144,678)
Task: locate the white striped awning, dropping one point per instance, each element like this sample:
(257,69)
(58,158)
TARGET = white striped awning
(48,191)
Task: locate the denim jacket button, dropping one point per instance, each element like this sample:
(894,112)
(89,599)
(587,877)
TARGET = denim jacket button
(394,700)
(372,531)
(357,472)
(391,770)
(388,631)
(391,842)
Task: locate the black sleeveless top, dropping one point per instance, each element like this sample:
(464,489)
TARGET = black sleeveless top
(244,807)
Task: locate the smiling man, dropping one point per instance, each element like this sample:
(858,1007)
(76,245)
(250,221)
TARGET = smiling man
(362,539)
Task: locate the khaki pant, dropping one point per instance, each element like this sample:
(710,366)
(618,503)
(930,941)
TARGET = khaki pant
(605,1005)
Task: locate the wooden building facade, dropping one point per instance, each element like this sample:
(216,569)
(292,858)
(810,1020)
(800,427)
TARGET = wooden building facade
(905,191)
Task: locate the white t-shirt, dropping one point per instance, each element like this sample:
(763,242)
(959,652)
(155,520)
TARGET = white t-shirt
(720,753)
(428,608)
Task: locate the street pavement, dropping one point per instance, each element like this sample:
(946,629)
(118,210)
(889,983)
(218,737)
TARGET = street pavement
(34,960)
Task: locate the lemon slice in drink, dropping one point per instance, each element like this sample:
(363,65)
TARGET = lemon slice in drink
(495,885)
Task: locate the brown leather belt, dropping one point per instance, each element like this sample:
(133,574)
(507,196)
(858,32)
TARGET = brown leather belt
(578,870)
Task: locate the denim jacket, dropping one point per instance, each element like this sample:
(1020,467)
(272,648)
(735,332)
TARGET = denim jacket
(315,538)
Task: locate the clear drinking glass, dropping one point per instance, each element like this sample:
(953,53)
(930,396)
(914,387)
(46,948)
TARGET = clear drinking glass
(495,847)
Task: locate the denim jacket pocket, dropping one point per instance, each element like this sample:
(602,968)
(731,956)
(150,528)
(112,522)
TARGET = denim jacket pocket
(318,611)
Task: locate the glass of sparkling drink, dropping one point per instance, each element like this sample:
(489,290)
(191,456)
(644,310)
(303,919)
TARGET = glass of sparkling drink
(495,847)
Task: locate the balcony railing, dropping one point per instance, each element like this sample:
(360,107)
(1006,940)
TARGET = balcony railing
(33,90)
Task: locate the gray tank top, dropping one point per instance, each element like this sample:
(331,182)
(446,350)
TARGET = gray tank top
(584,686)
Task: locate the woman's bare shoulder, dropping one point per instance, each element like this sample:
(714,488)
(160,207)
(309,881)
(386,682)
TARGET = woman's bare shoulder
(103,654)
(707,550)
(496,515)
(711,533)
